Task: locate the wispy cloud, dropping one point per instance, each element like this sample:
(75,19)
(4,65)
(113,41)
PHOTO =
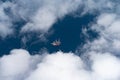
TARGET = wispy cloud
(48,13)
(5,21)
(40,15)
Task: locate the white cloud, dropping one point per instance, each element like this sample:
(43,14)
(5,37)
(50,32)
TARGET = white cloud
(43,20)
(5,30)
(5,21)
(106,66)
(103,64)
(49,13)
(20,65)
(44,13)
(106,19)
(40,15)
(91,6)
(17,65)
(107,24)
(60,66)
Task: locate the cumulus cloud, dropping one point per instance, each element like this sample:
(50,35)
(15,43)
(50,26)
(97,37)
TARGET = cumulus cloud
(59,66)
(20,65)
(12,65)
(106,66)
(16,66)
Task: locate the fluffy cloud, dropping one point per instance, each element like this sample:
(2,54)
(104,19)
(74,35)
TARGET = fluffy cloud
(60,66)
(17,65)
(20,65)
(106,66)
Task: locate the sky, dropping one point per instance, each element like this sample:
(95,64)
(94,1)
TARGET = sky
(88,30)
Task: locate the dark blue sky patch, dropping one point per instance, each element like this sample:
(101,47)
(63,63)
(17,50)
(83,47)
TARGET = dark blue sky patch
(9,44)
(68,30)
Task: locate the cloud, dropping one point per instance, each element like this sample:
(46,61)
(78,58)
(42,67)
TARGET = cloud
(93,6)
(60,66)
(16,66)
(5,22)
(42,21)
(40,15)
(107,25)
(20,65)
(49,13)
(106,66)
(100,61)
(103,49)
